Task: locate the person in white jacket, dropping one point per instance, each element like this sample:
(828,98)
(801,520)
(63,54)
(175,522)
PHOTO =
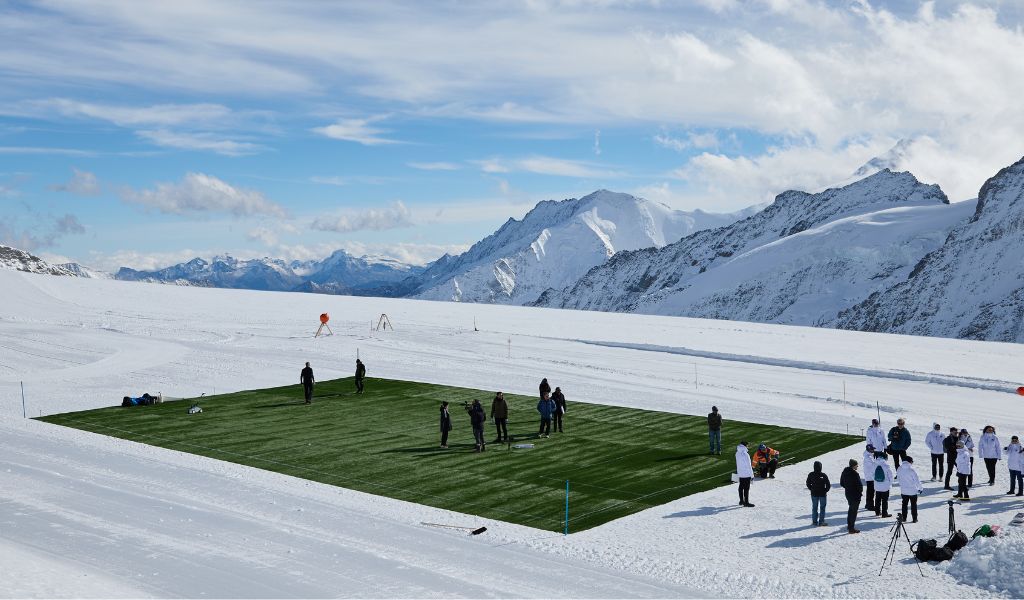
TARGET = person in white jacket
(745,472)
(1015,460)
(882,474)
(991,451)
(869,483)
(968,442)
(934,442)
(963,471)
(910,487)
(876,437)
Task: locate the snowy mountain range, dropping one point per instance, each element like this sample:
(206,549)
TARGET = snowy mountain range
(554,243)
(339,273)
(19,260)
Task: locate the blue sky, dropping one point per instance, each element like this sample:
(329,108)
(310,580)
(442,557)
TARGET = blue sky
(143,134)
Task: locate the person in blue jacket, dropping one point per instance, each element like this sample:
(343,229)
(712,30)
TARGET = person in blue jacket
(546,407)
(899,441)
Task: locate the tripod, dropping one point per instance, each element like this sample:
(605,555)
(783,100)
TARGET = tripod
(952,518)
(890,553)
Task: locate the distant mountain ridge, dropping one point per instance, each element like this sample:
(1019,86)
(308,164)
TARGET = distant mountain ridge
(19,260)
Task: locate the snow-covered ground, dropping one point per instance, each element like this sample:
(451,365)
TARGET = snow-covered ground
(82,515)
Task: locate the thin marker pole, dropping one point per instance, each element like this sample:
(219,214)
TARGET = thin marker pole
(23,414)
(566,507)
(844,391)
(695,387)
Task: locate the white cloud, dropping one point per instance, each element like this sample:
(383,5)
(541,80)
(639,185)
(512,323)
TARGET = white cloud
(133,116)
(199,193)
(597,143)
(435,166)
(44,232)
(263,235)
(45,150)
(357,130)
(373,219)
(343,180)
(206,142)
(546,165)
(693,140)
(82,183)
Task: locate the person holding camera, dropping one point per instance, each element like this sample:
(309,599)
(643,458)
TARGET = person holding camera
(477,418)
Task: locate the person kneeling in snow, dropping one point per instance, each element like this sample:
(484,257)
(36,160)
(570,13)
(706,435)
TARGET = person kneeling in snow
(910,486)
(766,460)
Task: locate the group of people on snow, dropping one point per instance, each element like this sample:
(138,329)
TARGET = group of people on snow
(551,406)
(308,380)
(948,452)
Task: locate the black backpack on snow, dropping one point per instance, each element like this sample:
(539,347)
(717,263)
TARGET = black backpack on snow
(957,541)
(924,550)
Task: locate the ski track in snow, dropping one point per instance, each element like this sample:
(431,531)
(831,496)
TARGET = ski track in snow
(82,515)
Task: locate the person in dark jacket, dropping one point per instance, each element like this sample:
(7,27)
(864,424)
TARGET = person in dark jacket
(546,406)
(446,424)
(559,399)
(545,388)
(307,380)
(477,418)
(949,445)
(360,375)
(715,431)
(899,441)
(818,483)
(850,482)
(499,414)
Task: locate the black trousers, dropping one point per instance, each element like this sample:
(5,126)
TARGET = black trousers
(970,478)
(896,456)
(950,467)
(768,468)
(444,438)
(501,425)
(881,503)
(478,435)
(963,485)
(990,466)
(558,421)
(359,385)
(912,500)
(937,462)
(745,490)
(869,492)
(307,390)
(545,426)
(851,513)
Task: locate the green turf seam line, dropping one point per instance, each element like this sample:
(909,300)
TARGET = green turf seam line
(315,471)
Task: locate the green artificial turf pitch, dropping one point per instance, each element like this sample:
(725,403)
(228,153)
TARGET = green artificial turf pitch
(386,442)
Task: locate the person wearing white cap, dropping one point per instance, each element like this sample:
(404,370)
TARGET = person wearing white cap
(910,487)
(934,442)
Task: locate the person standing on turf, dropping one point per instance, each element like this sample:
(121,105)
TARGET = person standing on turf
(545,388)
(1015,460)
(307,380)
(965,437)
(899,441)
(963,471)
(934,441)
(559,399)
(949,446)
(360,375)
(546,406)
(715,431)
(477,418)
(869,481)
(446,424)
(883,484)
(745,472)
(499,414)
(818,483)
(910,487)
(850,481)
(991,451)
(875,436)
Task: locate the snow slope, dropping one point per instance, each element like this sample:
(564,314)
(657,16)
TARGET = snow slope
(970,287)
(557,242)
(808,277)
(138,521)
